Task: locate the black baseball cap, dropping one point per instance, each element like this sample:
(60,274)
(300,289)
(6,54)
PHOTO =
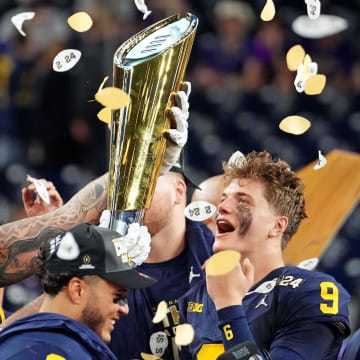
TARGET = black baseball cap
(91,250)
(179,168)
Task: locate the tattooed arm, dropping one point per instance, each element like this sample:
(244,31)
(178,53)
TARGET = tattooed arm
(20,240)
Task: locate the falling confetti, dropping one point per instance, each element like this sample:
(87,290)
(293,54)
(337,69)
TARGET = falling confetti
(158,343)
(324,25)
(161,312)
(307,80)
(66,60)
(184,334)
(313,8)
(112,97)
(304,72)
(80,21)
(321,161)
(141,6)
(200,210)
(237,159)
(309,264)
(105,115)
(222,262)
(295,124)
(103,83)
(268,12)
(315,84)
(40,188)
(19,19)
(295,57)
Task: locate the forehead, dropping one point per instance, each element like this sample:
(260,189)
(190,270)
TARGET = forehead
(251,187)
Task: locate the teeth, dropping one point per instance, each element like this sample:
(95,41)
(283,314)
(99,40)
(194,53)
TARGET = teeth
(113,322)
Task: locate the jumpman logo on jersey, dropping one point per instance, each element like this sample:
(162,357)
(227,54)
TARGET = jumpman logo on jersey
(262,302)
(192,275)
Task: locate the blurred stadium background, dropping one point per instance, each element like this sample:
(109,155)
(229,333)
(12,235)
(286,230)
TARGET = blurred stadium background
(241,90)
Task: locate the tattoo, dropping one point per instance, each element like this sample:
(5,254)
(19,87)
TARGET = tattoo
(21,240)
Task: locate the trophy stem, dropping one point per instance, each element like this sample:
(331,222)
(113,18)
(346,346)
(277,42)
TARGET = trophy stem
(120,220)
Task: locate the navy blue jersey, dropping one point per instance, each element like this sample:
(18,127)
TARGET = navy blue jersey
(352,348)
(291,314)
(4,314)
(135,333)
(44,336)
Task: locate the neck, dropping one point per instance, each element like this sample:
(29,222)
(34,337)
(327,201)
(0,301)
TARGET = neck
(169,242)
(59,305)
(264,262)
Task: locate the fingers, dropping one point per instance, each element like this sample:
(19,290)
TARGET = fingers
(186,87)
(181,101)
(26,197)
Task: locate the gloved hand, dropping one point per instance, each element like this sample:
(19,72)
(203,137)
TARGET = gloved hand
(136,242)
(177,137)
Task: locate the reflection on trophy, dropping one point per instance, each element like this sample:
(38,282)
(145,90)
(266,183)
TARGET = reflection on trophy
(149,67)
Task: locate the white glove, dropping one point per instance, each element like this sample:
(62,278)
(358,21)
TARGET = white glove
(136,242)
(178,136)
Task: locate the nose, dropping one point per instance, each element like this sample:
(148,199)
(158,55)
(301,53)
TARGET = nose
(224,206)
(123,309)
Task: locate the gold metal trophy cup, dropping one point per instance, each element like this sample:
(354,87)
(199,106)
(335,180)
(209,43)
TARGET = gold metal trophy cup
(149,67)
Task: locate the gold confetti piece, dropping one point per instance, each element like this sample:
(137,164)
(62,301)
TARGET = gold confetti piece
(80,21)
(103,83)
(184,334)
(222,262)
(295,57)
(268,12)
(295,124)
(161,312)
(321,162)
(146,356)
(105,115)
(315,84)
(19,19)
(112,97)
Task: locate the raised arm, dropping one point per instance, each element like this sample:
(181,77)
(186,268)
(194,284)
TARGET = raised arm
(20,240)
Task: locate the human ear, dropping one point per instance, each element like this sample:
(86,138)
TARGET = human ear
(279,226)
(76,289)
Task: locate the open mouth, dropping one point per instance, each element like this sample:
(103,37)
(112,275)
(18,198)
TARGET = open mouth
(224,227)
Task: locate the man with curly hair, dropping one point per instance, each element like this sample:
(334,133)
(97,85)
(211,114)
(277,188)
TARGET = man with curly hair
(289,312)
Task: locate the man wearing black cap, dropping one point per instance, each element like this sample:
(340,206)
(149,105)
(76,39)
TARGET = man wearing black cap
(85,276)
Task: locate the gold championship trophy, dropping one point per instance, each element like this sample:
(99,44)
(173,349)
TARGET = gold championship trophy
(148,67)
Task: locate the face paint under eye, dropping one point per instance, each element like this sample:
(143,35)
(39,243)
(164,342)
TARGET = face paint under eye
(245,219)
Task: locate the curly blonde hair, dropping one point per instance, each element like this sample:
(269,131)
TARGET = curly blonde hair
(284,190)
